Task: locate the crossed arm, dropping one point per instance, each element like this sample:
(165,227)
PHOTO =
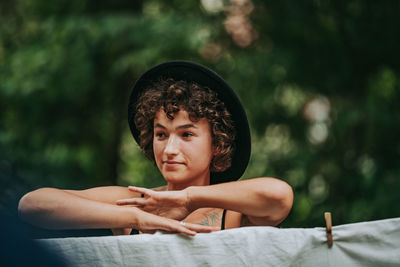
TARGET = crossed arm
(265,201)
(52,208)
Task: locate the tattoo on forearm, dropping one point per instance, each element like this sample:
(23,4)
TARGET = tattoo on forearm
(211,218)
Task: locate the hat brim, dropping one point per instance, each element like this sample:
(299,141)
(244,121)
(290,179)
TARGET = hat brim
(193,72)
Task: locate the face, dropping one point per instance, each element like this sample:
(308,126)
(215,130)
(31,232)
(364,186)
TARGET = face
(182,149)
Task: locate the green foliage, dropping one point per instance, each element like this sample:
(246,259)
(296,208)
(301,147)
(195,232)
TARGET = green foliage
(320,82)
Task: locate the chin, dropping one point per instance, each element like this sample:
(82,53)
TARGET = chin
(184,180)
(176,178)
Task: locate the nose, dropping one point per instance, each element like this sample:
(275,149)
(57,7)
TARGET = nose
(171,148)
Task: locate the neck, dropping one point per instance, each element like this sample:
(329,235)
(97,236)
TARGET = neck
(197,182)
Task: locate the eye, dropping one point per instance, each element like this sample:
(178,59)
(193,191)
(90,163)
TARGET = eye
(160,135)
(187,134)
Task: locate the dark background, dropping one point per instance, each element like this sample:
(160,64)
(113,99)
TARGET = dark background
(319,81)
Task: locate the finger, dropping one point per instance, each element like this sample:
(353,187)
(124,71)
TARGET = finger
(141,190)
(202,228)
(192,229)
(131,201)
(182,229)
(175,226)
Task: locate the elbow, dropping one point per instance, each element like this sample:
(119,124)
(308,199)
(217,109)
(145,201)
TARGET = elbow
(26,207)
(279,195)
(30,206)
(284,199)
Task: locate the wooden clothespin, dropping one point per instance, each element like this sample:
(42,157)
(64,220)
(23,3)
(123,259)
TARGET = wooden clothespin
(328,221)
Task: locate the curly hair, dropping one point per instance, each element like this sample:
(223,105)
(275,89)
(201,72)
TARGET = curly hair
(200,102)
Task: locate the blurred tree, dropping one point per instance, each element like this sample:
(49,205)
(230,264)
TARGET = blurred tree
(319,80)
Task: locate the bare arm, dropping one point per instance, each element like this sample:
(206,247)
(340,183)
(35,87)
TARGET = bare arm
(265,201)
(67,209)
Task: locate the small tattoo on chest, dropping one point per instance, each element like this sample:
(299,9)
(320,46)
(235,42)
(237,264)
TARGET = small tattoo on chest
(210,218)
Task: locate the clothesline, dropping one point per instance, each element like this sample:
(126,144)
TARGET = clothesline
(375,243)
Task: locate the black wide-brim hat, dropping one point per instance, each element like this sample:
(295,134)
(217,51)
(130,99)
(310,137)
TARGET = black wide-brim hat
(193,72)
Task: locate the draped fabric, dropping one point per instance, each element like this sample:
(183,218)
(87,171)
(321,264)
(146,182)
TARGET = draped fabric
(375,243)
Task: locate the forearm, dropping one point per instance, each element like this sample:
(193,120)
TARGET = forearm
(57,209)
(266,198)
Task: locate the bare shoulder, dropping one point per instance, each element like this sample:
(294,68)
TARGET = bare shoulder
(205,216)
(214,217)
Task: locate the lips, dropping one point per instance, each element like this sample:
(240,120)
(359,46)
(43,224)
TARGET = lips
(172,162)
(172,165)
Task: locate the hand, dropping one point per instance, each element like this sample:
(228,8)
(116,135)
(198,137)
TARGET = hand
(169,204)
(149,223)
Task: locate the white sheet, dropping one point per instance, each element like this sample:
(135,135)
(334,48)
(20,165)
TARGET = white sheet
(374,243)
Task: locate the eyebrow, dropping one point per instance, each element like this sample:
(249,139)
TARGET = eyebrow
(184,126)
